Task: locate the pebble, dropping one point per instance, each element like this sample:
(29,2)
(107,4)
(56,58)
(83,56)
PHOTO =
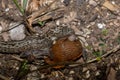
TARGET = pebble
(72,72)
(97,73)
(88,74)
(100,25)
(70,78)
(17,33)
(84,69)
(92,2)
(0,29)
(7,9)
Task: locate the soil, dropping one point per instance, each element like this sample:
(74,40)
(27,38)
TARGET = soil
(97,25)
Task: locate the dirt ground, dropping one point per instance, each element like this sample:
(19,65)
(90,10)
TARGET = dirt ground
(95,22)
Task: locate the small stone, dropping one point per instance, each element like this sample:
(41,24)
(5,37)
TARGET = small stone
(17,33)
(7,9)
(113,2)
(92,2)
(70,78)
(72,72)
(53,38)
(100,25)
(0,29)
(88,74)
(111,24)
(57,22)
(33,67)
(72,38)
(42,76)
(97,73)
(84,69)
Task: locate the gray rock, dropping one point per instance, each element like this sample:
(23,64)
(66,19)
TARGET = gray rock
(17,33)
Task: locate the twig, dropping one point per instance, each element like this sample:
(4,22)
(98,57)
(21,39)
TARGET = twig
(44,16)
(12,27)
(39,12)
(29,19)
(17,58)
(106,54)
(56,64)
(88,62)
(3,77)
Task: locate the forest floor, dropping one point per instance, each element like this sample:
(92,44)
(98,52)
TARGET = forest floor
(96,22)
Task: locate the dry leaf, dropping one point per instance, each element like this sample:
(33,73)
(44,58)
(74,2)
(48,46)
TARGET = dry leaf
(76,30)
(111,75)
(80,33)
(33,6)
(3,4)
(70,17)
(110,6)
(4,25)
(39,12)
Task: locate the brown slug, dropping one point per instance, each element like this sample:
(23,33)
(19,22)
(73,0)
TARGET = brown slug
(65,49)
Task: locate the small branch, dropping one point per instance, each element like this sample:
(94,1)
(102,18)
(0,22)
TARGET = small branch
(14,26)
(3,77)
(17,58)
(106,54)
(39,12)
(88,62)
(56,64)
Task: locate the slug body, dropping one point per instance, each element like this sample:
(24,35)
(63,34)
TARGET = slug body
(65,49)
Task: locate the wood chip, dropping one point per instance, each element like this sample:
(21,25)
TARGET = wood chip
(110,6)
